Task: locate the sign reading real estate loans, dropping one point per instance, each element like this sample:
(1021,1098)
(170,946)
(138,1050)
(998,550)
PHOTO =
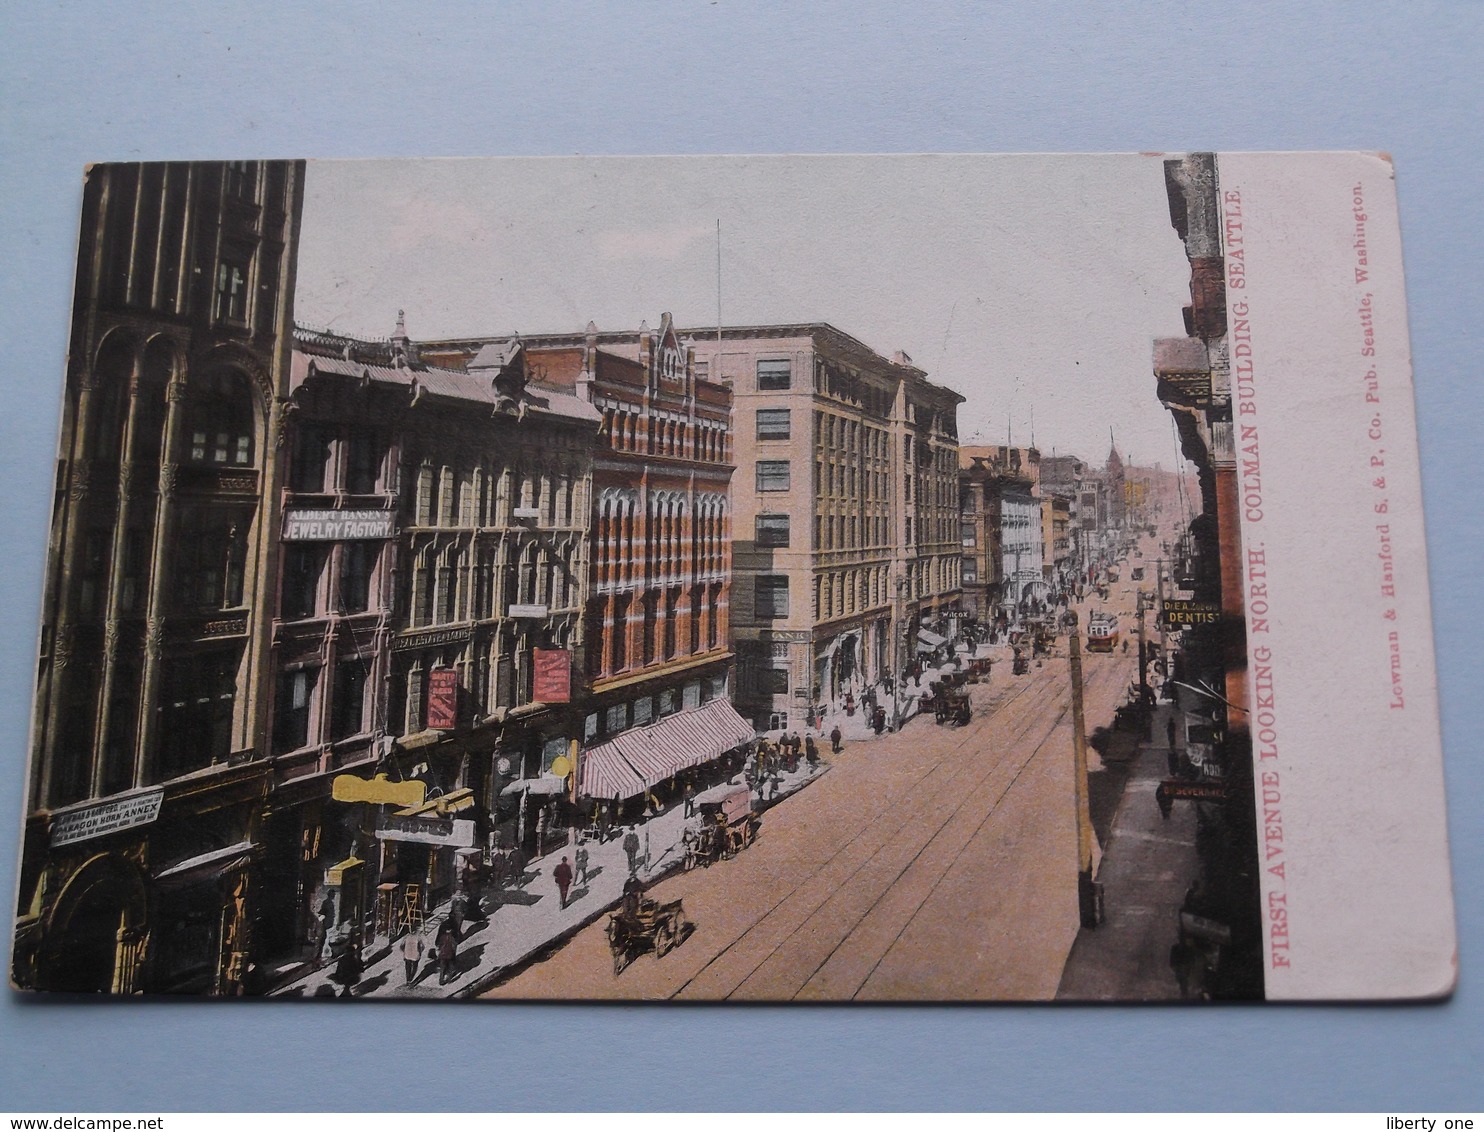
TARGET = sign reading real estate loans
(325,525)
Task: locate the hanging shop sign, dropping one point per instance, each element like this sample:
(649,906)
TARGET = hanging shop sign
(1177,614)
(424,829)
(553,676)
(325,525)
(379,790)
(100,818)
(443,699)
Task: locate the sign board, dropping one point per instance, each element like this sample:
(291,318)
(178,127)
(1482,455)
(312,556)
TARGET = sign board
(527,611)
(326,525)
(379,791)
(457,833)
(102,818)
(443,699)
(553,676)
(1177,614)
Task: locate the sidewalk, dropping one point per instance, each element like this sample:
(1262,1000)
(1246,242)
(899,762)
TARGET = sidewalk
(524,919)
(1147,865)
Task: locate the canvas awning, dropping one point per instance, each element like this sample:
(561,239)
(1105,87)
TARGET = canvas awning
(544,784)
(208,866)
(927,640)
(634,761)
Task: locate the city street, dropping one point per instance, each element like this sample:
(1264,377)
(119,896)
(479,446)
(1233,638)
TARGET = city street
(935,863)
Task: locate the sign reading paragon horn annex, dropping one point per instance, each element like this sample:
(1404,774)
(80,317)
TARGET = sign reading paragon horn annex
(322,525)
(123,812)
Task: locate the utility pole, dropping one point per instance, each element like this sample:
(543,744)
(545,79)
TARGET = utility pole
(1089,896)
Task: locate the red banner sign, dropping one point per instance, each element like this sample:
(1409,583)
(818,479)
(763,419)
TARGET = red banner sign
(553,676)
(443,699)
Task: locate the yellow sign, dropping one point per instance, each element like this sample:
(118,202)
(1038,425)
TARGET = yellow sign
(378,791)
(561,766)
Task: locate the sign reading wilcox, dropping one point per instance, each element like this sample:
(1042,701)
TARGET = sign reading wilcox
(325,525)
(99,818)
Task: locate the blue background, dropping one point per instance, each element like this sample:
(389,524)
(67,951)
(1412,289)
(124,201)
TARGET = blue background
(83,82)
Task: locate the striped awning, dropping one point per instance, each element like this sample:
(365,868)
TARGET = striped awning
(630,763)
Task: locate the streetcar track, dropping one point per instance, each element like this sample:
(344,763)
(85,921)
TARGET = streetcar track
(928,843)
(1040,695)
(957,856)
(872,822)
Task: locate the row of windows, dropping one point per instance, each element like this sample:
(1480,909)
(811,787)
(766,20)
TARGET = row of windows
(680,537)
(852,532)
(299,704)
(647,709)
(480,496)
(630,430)
(452,585)
(840,593)
(654,618)
(328,458)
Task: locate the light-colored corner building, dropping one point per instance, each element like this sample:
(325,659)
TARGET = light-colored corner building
(846,545)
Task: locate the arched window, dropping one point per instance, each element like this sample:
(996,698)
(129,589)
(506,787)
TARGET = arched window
(221,419)
(109,401)
(149,428)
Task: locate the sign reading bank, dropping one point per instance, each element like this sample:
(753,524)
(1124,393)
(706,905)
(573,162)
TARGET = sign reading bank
(324,525)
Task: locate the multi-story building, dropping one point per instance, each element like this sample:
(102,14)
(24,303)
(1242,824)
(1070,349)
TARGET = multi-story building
(1193,380)
(658,656)
(1004,494)
(435,570)
(148,765)
(845,504)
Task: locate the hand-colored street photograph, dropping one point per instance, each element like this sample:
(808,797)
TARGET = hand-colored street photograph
(643,578)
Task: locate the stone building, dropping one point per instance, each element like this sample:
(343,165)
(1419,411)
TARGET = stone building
(847,552)
(1001,505)
(149,765)
(435,565)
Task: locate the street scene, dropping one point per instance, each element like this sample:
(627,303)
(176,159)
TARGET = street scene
(644,656)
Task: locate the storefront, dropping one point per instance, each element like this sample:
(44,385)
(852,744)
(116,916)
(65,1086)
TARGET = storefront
(640,767)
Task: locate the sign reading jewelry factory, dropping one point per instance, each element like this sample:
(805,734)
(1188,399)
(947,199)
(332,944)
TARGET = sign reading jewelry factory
(122,812)
(324,525)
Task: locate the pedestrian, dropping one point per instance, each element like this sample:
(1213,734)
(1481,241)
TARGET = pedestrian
(456,914)
(562,874)
(835,739)
(447,944)
(349,970)
(878,720)
(811,751)
(690,798)
(317,933)
(631,847)
(579,862)
(412,954)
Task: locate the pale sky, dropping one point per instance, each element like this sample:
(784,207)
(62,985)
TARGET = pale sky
(1033,285)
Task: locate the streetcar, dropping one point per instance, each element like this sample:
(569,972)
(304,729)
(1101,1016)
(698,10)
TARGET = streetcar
(1102,632)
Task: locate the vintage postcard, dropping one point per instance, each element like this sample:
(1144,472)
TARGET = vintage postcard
(935,578)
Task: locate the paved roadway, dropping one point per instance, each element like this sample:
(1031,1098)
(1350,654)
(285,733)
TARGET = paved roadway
(936,863)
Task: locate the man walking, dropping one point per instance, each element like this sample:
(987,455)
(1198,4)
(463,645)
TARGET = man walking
(579,861)
(447,944)
(412,954)
(562,874)
(835,739)
(631,847)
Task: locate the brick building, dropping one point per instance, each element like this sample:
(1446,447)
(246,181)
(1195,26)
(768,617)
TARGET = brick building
(658,644)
